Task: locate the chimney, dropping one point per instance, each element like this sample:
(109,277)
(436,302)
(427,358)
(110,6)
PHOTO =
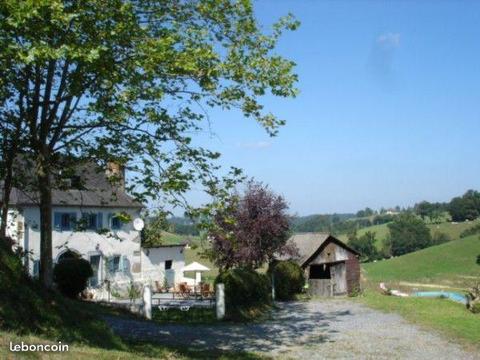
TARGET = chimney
(116,175)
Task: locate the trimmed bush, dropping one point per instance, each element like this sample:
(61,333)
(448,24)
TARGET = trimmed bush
(475,308)
(289,279)
(247,293)
(71,276)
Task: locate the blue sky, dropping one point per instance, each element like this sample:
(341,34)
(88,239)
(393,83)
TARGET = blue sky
(388,112)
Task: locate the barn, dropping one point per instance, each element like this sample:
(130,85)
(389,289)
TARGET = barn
(331,267)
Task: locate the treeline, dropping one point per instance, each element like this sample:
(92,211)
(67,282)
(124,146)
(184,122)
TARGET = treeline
(460,208)
(182,226)
(337,223)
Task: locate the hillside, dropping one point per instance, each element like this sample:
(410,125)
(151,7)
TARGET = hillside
(452,263)
(26,307)
(450,228)
(168,238)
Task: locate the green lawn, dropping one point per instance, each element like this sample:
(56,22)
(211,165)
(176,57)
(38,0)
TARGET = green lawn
(380,231)
(452,229)
(448,317)
(449,263)
(128,350)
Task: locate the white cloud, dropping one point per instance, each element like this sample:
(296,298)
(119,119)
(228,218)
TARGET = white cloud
(389,39)
(255,145)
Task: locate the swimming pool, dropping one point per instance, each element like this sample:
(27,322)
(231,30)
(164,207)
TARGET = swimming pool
(443,294)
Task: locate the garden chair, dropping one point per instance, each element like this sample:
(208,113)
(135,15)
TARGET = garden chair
(206,291)
(184,290)
(158,287)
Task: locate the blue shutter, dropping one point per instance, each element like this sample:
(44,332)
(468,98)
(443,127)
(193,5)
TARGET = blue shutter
(73,221)
(125,264)
(99,221)
(110,265)
(57,222)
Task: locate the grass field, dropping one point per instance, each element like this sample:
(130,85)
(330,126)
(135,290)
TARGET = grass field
(127,351)
(451,229)
(452,263)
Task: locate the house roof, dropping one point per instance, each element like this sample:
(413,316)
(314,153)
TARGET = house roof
(96,191)
(308,244)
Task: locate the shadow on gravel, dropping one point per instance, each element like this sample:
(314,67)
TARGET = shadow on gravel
(293,324)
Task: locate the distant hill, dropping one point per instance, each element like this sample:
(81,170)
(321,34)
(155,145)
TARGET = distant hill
(452,229)
(318,222)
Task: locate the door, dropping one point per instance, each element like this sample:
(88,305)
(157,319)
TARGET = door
(339,276)
(95,263)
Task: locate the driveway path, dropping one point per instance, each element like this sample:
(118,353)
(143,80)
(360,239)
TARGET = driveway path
(332,329)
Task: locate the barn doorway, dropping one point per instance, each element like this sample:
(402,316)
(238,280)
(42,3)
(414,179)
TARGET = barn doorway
(320,272)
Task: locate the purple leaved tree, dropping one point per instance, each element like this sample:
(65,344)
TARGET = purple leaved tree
(251,229)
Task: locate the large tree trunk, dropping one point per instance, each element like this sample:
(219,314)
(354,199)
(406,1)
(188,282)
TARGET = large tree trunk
(45,190)
(7,189)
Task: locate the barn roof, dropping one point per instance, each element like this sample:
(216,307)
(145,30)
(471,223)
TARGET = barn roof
(308,244)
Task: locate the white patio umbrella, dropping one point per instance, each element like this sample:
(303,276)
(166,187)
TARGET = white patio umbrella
(197,268)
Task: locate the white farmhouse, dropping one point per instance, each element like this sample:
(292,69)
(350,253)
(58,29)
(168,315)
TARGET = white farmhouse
(93,218)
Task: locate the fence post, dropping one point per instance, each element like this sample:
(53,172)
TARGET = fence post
(220,301)
(273,287)
(147,302)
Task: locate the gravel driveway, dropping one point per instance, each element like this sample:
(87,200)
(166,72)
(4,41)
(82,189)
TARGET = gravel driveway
(331,329)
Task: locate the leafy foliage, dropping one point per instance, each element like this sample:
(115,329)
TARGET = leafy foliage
(470,231)
(152,232)
(288,279)
(365,213)
(433,211)
(440,238)
(71,276)
(246,292)
(130,82)
(365,245)
(466,207)
(251,229)
(408,234)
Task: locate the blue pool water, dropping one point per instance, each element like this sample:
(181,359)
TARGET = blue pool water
(443,294)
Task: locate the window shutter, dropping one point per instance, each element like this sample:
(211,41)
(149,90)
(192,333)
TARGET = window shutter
(57,222)
(110,265)
(73,221)
(99,220)
(109,220)
(125,264)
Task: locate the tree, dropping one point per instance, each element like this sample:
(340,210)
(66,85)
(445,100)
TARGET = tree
(365,213)
(365,245)
(251,230)
(423,209)
(407,234)
(466,207)
(130,82)
(11,136)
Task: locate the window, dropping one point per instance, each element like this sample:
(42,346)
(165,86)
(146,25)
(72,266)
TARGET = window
(64,220)
(168,264)
(116,223)
(319,271)
(92,221)
(36,268)
(113,264)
